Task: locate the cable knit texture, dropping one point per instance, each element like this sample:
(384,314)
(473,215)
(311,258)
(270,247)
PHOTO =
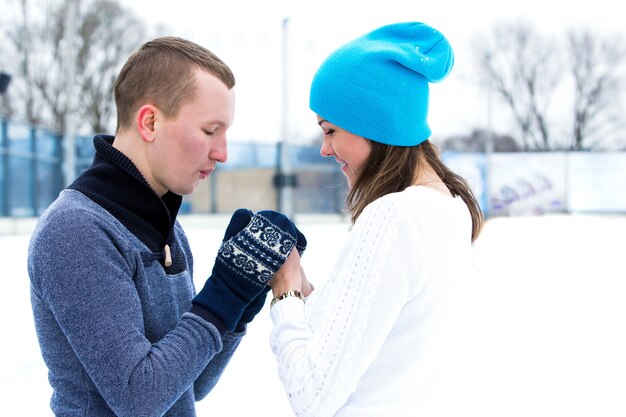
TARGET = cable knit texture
(360,345)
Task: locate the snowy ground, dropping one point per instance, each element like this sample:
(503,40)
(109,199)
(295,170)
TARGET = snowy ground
(544,332)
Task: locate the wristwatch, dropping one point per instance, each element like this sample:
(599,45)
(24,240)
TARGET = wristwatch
(286,294)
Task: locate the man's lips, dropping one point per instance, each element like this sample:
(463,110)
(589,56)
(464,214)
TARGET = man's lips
(206,172)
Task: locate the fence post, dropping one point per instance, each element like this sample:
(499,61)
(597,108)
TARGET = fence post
(4,146)
(285,179)
(69,140)
(33,168)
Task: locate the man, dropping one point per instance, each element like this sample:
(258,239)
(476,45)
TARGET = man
(119,322)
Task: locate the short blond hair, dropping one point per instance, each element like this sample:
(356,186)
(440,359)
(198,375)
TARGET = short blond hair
(161,73)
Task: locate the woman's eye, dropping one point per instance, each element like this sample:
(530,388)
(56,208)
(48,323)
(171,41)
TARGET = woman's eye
(329,132)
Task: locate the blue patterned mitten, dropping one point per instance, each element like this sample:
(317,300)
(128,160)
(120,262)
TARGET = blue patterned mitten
(245,263)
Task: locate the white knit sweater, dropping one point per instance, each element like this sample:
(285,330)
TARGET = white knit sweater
(360,345)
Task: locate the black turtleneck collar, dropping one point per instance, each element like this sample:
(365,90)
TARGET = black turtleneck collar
(115,183)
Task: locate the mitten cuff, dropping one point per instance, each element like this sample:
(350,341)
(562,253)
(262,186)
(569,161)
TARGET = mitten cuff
(221,302)
(204,313)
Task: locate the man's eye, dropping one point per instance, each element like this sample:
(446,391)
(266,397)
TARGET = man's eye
(329,132)
(209,132)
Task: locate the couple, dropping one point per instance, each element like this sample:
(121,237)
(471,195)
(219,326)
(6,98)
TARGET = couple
(121,327)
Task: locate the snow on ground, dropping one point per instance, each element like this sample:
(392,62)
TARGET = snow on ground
(543,330)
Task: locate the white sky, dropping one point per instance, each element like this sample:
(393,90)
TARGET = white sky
(248,36)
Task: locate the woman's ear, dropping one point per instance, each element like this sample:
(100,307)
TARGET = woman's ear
(146,122)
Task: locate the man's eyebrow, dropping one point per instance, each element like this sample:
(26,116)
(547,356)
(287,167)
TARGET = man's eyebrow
(322,121)
(216,122)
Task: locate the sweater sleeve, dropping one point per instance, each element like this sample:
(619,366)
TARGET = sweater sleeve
(320,360)
(86,282)
(215,368)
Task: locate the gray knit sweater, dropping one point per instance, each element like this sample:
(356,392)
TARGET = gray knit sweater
(114,327)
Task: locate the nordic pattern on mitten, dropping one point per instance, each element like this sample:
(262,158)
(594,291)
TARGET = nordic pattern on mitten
(260,249)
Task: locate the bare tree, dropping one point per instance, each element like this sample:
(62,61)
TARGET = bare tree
(15,51)
(594,65)
(525,69)
(476,142)
(107,34)
(521,67)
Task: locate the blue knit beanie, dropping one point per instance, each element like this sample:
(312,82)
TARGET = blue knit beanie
(376,86)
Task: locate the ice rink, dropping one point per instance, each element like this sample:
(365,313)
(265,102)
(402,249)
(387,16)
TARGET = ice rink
(544,329)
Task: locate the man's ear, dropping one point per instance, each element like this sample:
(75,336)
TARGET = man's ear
(146,122)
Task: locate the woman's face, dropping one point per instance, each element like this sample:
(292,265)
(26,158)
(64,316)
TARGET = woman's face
(348,149)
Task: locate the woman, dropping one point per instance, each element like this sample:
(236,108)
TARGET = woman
(360,344)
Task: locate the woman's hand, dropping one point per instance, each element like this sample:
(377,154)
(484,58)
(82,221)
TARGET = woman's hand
(307,287)
(289,276)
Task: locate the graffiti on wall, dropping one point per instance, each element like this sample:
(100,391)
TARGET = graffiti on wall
(513,184)
(528,183)
(534,193)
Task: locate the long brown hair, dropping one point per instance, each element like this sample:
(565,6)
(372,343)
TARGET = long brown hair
(391,169)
